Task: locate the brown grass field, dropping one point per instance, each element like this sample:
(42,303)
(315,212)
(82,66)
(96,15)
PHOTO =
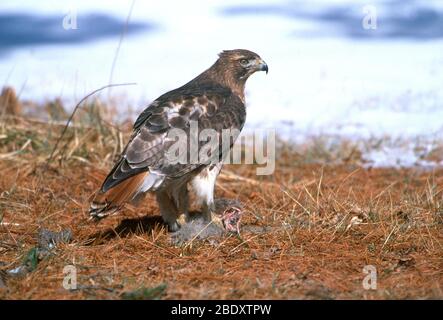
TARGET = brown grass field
(307,233)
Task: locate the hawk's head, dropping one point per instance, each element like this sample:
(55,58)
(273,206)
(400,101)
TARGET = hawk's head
(232,69)
(241,63)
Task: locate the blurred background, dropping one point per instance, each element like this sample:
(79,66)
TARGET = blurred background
(348,69)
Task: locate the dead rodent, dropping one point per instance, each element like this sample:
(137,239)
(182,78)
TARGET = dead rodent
(229,211)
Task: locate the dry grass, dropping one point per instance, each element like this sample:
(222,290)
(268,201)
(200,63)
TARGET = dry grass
(308,230)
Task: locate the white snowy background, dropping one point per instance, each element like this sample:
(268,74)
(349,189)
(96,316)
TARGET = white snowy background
(327,74)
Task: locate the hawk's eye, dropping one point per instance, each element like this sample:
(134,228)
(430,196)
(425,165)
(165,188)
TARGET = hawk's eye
(244,62)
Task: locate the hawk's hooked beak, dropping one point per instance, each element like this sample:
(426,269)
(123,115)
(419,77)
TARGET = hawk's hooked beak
(262,66)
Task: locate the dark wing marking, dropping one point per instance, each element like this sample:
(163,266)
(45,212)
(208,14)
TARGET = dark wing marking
(217,113)
(211,106)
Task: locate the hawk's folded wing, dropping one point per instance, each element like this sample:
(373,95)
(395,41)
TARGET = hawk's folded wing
(212,108)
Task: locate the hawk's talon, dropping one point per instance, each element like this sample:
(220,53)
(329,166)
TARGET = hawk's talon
(216,219)
(173,227)
(183,219)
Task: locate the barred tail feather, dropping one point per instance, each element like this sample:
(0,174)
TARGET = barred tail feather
(107,203)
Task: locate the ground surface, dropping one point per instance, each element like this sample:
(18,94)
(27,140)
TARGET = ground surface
(307,232)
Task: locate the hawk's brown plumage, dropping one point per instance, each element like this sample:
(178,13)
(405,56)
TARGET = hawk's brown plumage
(215,99)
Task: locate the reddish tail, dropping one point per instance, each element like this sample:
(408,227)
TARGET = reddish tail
(106,203)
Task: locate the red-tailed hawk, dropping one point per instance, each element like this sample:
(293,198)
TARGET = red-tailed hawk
(214,100)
